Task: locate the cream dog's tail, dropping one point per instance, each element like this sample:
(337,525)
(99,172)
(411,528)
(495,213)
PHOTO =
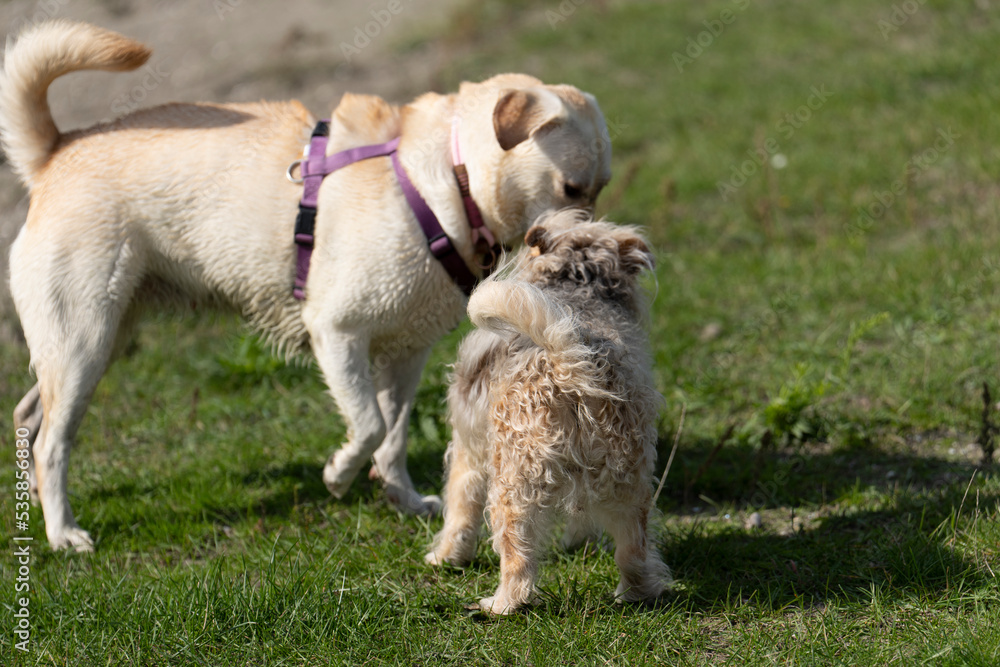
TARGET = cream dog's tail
(40,55)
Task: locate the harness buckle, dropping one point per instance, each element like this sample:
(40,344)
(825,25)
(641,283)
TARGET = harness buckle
(305,225)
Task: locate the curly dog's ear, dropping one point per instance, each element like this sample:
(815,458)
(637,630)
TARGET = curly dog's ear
(635,255)
(537,238)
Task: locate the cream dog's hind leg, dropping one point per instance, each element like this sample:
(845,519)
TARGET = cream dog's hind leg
(68,368)
(71,313)
(28,415)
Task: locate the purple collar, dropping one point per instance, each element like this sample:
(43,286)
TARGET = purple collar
(317,164)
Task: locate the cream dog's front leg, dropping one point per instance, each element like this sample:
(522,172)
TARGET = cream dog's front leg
(343,358)
(397,386)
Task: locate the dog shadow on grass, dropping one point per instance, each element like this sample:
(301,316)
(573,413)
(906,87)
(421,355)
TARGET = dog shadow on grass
(281,493)
(836,523)
(290,486)
(828,524)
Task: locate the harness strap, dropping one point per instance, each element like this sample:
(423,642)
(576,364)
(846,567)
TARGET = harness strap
(329,164)
(305,222)
(318,165)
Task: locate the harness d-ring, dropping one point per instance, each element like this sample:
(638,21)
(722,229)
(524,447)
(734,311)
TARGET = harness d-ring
(291,168)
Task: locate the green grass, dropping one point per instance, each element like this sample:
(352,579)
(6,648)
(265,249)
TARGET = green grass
(847,357)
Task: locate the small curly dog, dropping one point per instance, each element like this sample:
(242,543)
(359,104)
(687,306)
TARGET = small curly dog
(553,410)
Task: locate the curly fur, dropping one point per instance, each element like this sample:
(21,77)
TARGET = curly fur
(553,409)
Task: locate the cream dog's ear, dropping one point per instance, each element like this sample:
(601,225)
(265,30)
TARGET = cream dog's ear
(519,114)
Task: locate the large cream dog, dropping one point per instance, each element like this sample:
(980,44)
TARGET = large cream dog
(189,202)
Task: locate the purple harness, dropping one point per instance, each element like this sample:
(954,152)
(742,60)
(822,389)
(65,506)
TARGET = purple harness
(317,165)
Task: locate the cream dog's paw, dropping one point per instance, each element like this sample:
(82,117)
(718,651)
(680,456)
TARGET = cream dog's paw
(72,538)
(337,477)
(432,505)
(401,494)
(411,502)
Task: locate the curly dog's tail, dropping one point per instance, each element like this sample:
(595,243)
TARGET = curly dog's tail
(513,306)
(40,55)
(505,306)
